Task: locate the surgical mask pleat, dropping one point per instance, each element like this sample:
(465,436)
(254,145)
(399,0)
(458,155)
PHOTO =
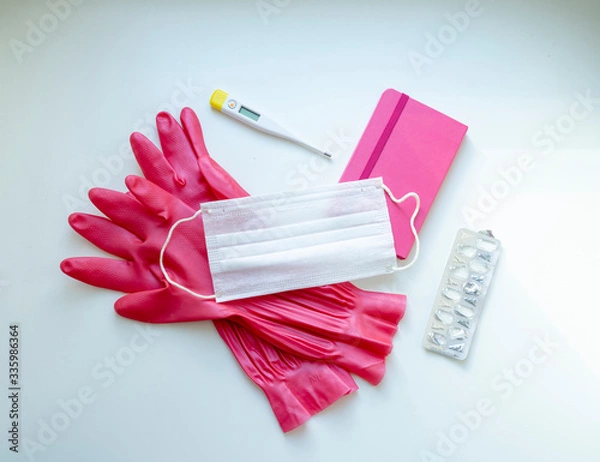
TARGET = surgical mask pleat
(287,241)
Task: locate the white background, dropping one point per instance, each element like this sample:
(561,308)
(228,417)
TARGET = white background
(69,104)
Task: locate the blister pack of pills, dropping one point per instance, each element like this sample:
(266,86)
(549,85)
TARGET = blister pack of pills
(462,293)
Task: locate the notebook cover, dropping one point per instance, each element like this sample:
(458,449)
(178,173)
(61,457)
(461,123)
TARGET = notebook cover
(411,146)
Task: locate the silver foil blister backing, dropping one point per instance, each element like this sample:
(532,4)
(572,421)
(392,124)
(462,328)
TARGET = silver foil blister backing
(462,293)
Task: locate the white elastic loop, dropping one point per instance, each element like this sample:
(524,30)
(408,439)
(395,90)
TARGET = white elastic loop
(162,254)
(412,223)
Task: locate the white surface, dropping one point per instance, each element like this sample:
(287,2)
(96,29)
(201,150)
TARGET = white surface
(319,67)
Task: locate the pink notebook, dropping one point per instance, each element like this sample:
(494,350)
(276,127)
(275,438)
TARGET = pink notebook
(411,146)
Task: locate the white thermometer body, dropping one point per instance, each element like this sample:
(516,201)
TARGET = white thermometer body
(225,103)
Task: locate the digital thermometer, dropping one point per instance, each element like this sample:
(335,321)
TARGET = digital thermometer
(223,102)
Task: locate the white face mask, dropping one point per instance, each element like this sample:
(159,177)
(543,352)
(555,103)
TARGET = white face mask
(273,243)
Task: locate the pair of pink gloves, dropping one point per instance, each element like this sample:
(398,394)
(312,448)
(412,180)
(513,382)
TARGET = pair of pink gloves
(299,347)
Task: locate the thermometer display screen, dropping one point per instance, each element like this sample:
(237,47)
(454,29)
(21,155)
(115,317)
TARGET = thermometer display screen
(248,113)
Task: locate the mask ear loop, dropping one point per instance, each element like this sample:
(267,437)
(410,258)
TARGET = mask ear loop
(162,255)
(412,223)
(211,297)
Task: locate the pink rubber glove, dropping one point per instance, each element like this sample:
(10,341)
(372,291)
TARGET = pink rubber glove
(296,388)
(178,171)
(186,170)
(338,323)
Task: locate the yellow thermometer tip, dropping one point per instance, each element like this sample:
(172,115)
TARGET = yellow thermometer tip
(218,98)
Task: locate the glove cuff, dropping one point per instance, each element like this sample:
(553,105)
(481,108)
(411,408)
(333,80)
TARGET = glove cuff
(307,390)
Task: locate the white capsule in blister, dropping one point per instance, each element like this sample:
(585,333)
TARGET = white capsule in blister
(462,293)
(460,272)
(437,339)
(471,288)
(478,266)
(457,333)
(452,282)
(485,257)
(471,300)
(444,316)
(451,294)
(457,347)
(467,251)
(464,311)
(445,304)
(478,277)
(463,322)
(485,245)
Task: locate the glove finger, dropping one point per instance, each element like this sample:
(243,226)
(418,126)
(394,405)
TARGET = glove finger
(193,130)
(264,355)
(143,306)
(176,147)
(167,305)
(221,182)
(109,273)
(247,350)
(158,202)
(124,210)
(152,162)
(105,234)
